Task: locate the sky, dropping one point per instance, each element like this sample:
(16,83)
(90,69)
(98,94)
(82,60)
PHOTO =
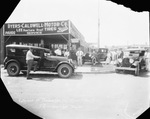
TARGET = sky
(118,25)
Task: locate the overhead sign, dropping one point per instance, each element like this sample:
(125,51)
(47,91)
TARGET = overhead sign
(36,28)
(74,40)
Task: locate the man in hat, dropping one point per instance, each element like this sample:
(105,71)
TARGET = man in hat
(30,61)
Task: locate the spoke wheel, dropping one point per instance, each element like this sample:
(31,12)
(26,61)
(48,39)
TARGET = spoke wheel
(13,69)
(64,71)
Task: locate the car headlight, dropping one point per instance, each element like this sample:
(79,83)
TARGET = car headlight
(119,60)
(131,61)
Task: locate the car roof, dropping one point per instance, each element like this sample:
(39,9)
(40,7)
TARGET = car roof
(135,49)
(25,46)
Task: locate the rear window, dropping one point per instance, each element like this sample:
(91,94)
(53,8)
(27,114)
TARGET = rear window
(135,52)
(16,52)
(102,50)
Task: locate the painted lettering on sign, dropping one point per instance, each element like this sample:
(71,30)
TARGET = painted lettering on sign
(36,28)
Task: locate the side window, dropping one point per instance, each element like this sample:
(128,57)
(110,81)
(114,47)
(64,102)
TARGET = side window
(21,52)
(36,52)
(11,51)
(24,51)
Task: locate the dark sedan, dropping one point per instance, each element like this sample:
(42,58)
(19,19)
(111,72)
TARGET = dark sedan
(15,61)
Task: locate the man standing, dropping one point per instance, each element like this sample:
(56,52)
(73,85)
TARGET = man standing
(79,54)
(58,51)
(72,55)
(30,61)
(66,53)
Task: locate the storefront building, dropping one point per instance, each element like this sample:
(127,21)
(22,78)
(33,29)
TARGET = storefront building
(43,34)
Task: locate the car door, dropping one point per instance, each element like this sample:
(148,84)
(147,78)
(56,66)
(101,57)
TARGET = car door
(47,61)
(20,55)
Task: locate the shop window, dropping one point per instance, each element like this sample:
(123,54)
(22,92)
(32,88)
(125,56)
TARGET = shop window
(65,47)
(36,44)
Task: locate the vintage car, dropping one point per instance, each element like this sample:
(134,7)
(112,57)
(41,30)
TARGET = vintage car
(15,61)
(133,61)
(87,58)
(95,57)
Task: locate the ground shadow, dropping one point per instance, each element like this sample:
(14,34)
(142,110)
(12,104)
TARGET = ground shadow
(91,65)
(50,76)
(44,77)
(97,65)
(142,73)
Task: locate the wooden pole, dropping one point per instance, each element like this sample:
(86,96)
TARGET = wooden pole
(98,27)
(149,29)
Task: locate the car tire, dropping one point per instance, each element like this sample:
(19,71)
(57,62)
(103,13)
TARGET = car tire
(137,71)
(64,71)
(13,69)
(83,61)
(94,61)
(117,71)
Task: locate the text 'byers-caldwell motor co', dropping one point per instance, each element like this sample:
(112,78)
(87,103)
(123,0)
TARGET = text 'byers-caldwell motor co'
(38,28)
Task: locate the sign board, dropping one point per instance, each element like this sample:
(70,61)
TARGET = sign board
(74,40)
(36,28)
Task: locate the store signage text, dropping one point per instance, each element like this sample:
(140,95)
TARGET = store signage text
(36,28)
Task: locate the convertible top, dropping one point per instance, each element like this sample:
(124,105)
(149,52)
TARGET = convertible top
(135,49)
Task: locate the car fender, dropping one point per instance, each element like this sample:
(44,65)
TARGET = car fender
(12,60)
(64,62)
(136,63)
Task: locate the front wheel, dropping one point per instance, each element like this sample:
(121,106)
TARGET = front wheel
(117,71)
(13,69)
(64,71)
(94,61)
(83,61)
(137,70)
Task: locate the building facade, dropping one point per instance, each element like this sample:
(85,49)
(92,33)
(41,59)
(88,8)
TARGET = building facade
(51,34)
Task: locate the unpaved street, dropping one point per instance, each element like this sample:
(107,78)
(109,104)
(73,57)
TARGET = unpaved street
(83,96)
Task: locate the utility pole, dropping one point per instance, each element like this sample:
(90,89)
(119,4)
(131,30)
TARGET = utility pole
(149,29)
(98,26)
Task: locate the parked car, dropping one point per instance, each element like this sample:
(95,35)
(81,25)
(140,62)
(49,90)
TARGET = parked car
(15,61)
(87,58)
(96,57)
(133,61)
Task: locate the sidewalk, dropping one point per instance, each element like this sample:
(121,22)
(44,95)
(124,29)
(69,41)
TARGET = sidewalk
(95,69)
(88,68)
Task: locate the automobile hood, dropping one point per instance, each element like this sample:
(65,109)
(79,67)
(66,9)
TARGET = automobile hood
(55,58)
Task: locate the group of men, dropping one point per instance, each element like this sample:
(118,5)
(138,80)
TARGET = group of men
(72,54)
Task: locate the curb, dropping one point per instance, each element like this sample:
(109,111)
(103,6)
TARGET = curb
(94,70)
(102,72)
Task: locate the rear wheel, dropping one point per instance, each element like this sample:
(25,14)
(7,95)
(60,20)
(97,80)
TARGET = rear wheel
(13,69)
(94,61)
(137,70)
(83,61)
(64,70)
(117,71)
